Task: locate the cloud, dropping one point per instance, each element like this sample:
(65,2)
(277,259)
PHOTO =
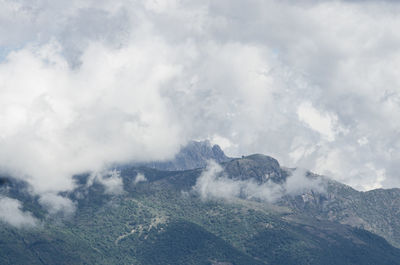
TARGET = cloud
(140,178)
(57,122)
(57,204)
(90,83)
(322,123)
(11,213)
(110,179)
(213,183)
(298,182)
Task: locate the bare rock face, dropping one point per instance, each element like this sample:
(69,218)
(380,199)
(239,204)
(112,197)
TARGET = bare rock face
(260,168)
(192,156)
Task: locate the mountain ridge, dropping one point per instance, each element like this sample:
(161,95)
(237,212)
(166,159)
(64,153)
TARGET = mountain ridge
(324,205)
(195,154)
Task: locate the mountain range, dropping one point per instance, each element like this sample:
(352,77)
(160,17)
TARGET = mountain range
(247,210)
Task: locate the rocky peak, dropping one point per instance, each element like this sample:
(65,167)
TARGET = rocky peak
(194,155)
(260,168)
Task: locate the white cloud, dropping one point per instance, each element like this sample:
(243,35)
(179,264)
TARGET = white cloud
(298,183)
(213,183)
(322,123)
(223,142)
(140,178)
(362,141)
(57,204)
(110,179)
(89,83)
(58,122)
(11,212)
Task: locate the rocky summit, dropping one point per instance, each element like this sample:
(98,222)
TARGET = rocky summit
(194,155)
(260,168)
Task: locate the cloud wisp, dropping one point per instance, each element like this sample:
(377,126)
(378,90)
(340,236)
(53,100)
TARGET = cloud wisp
(110,179)
(140,177)
(11,213)
(213,183)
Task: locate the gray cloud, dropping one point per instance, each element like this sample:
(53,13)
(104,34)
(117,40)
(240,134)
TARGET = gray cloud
(85,84)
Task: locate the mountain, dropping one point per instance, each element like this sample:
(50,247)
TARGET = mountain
(256,167)
(377,211)
(163,219)
(195,154)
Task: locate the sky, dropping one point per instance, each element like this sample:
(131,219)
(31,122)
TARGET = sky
(87,84)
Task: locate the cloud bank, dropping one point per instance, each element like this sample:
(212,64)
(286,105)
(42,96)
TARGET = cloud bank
(86,84)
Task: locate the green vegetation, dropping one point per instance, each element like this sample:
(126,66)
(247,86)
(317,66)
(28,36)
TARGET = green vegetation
(162,221)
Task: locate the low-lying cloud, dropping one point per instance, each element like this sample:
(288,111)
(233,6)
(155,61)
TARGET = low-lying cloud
(299,182)
(57,204)
(140,177)
(11,213)
(110,179)
(213,183)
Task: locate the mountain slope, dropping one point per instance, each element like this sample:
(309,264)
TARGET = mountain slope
(377,211)
(163,220)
